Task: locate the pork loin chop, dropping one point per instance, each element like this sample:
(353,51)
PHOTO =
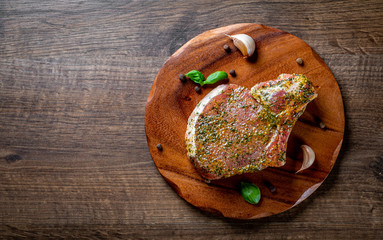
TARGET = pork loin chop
(234,130)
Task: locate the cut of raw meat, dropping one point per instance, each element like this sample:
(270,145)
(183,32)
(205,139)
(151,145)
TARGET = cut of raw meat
(233,130)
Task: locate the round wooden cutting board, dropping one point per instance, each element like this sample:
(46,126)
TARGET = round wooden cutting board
(170,103)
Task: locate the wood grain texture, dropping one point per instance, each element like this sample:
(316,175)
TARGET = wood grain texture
(74,80)
(171,102)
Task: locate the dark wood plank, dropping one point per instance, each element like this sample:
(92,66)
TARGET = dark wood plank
(74,79)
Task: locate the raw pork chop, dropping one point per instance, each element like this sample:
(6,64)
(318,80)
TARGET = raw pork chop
(233,130)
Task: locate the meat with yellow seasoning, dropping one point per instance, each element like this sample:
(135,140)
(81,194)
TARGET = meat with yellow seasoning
(234,130)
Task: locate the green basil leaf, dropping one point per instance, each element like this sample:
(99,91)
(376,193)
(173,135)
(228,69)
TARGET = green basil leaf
(215,77)
(250,192)
(196,76)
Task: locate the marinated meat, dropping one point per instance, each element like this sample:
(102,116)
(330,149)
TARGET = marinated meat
(234,130)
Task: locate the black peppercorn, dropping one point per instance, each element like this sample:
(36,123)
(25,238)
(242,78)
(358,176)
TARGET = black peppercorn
(197,89)
(159,146)
(182,77)
(299,61)
(227,48)
(269,186)
(232,73)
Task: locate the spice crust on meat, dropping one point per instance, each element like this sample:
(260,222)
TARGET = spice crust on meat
(234,130)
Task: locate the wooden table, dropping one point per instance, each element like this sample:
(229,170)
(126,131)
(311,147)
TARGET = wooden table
(74,79)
